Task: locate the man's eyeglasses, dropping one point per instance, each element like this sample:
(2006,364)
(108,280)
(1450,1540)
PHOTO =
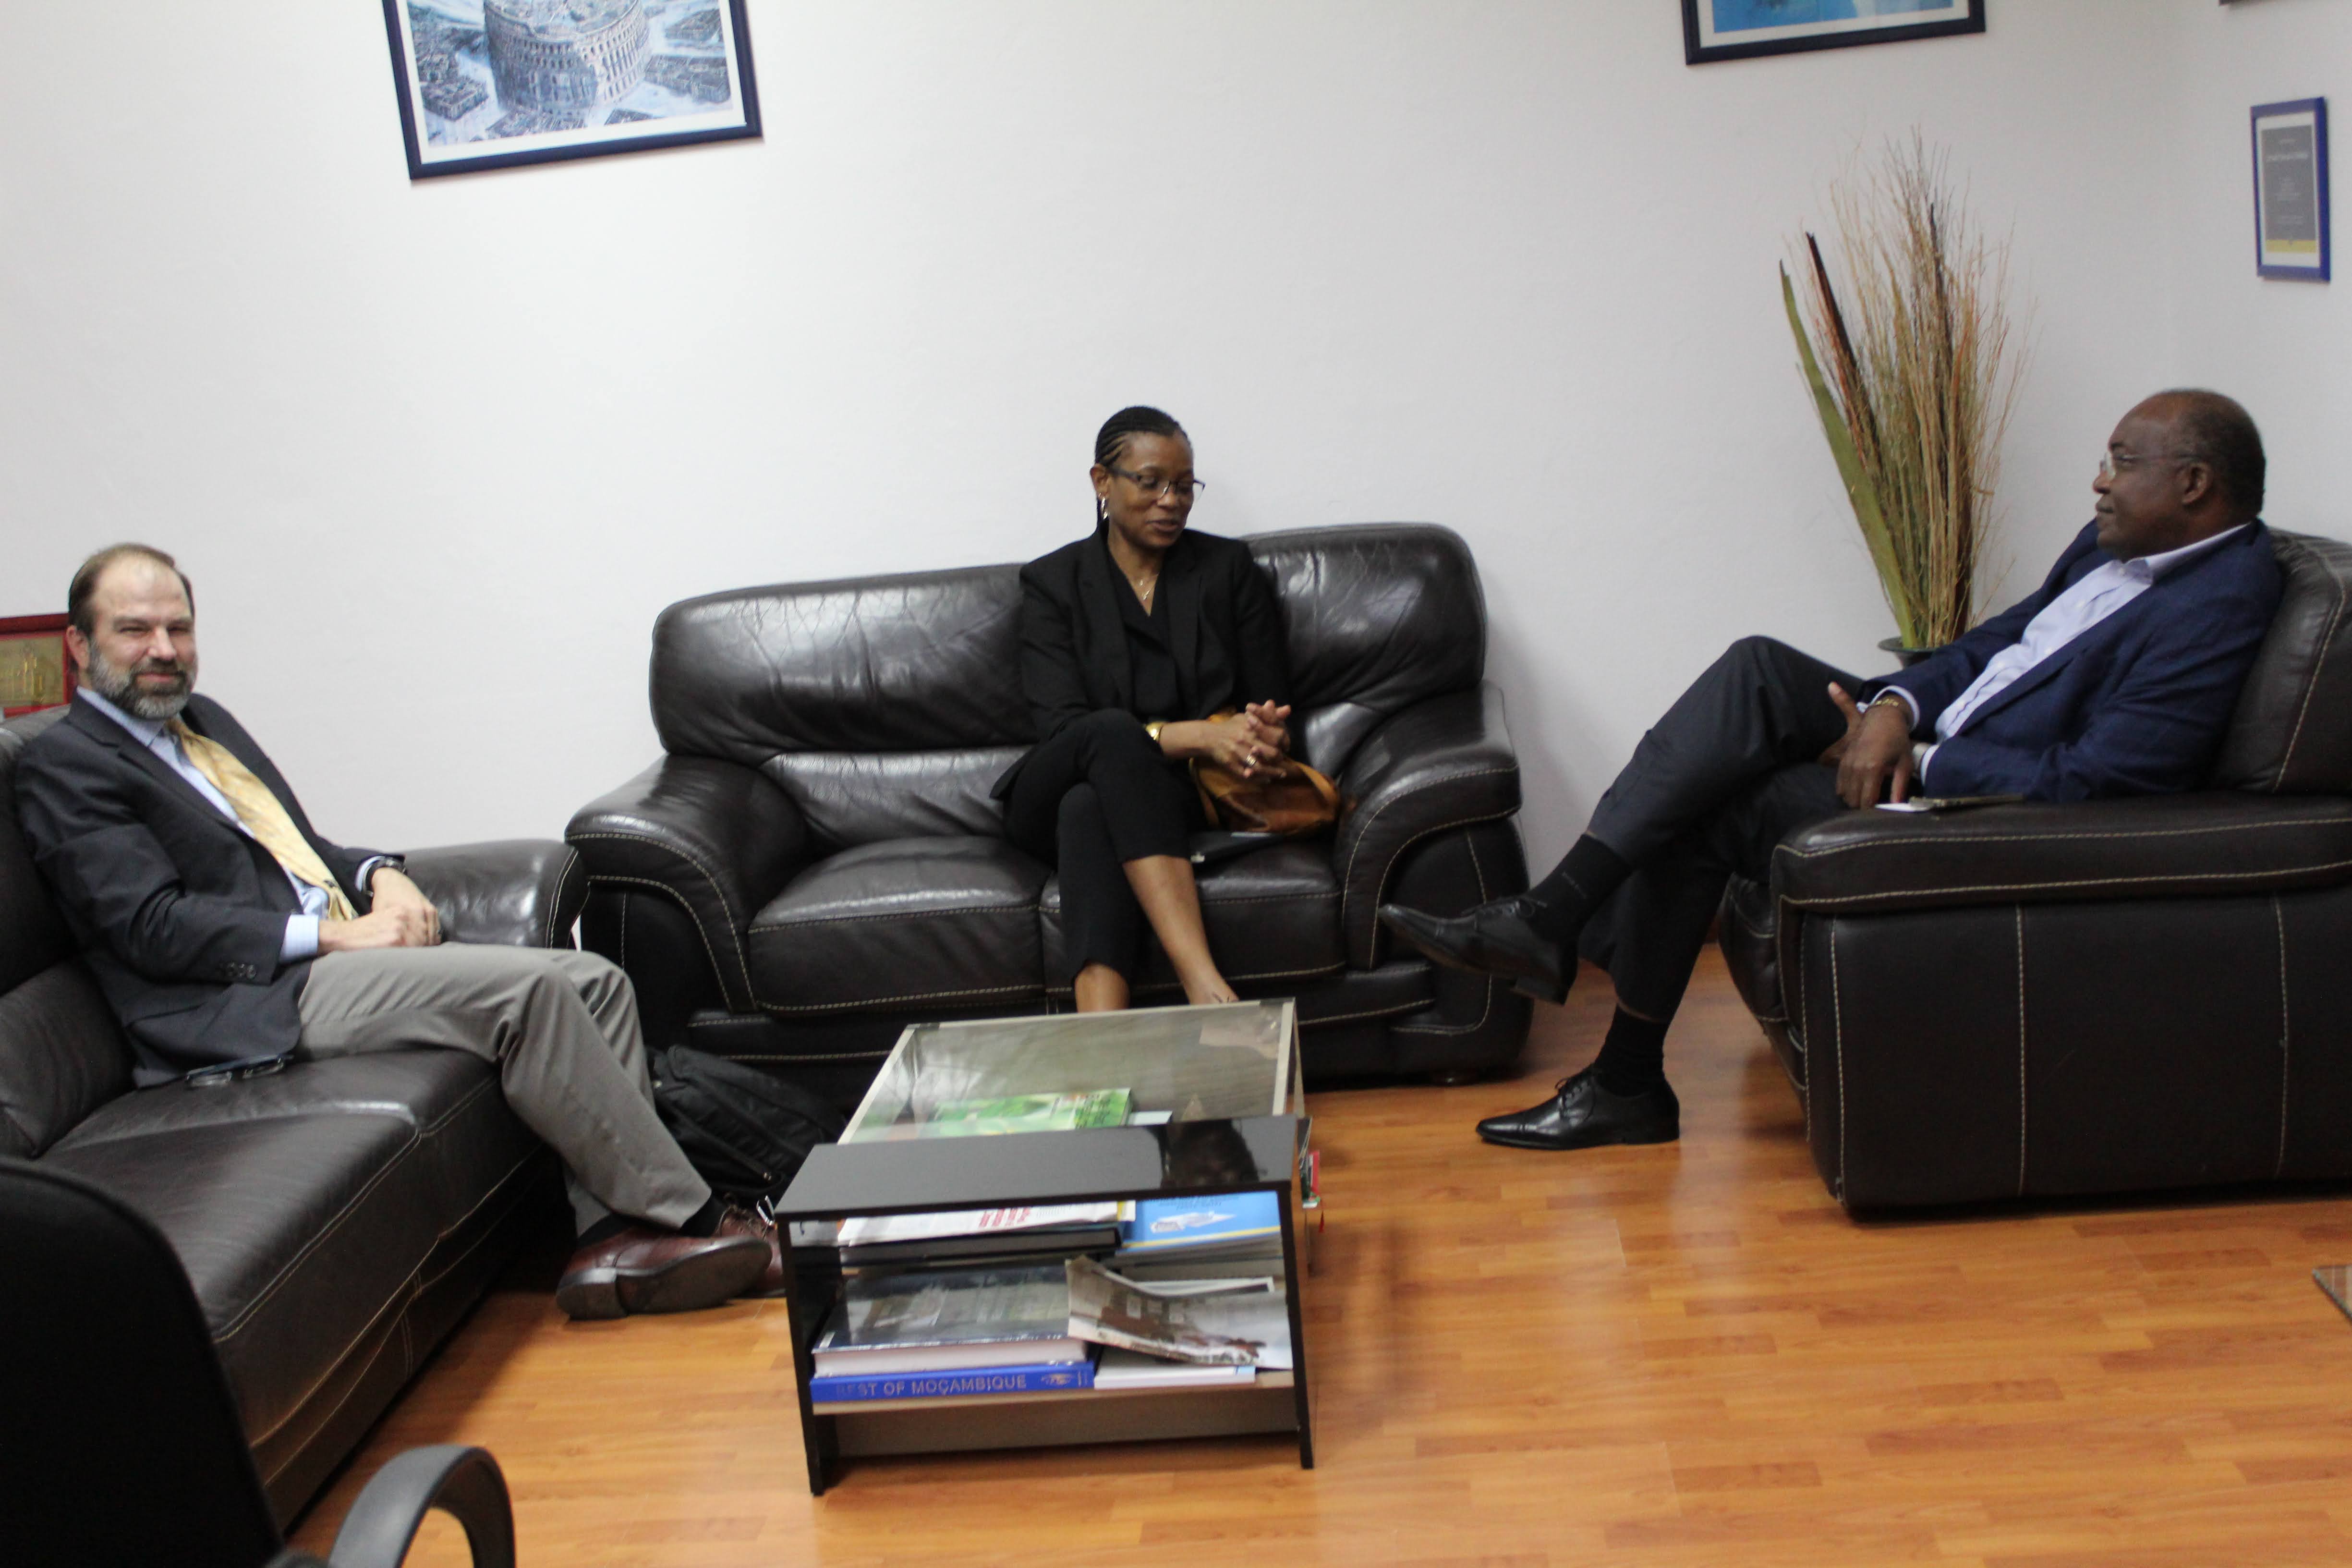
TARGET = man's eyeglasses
(2112,463)
(1184,489)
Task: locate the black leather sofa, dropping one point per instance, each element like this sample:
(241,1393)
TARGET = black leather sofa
(336,1219)
(2032,1000)
(815,861)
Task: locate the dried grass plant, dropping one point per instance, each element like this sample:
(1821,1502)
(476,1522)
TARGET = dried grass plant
(1918,370)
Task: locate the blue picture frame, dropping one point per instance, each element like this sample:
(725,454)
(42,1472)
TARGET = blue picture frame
(1742,29)
(2291,205)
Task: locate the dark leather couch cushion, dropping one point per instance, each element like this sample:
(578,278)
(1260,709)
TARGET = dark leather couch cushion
(296,1232)
(2207,844)
(1271,915)
(32,936)
(1378,617)
(904,922)
(850,797)
(2291,733)
(924,661)
(61,1057)
(468,1137)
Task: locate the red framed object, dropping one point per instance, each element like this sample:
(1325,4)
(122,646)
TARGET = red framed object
(35,671)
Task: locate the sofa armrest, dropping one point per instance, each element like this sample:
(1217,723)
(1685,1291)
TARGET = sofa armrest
(2209,845)
(1445,762)
(714,835)
(512,893)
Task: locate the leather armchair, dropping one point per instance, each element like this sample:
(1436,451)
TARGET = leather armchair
(815,861)
(2037,1000)
(337,1219)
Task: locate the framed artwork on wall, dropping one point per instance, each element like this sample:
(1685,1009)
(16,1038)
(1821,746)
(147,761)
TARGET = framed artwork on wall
(1738,29)
(2291,189)
(34,672)
(486,84)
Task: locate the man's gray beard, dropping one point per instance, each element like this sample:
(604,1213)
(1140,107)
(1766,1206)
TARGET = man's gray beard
(120,686)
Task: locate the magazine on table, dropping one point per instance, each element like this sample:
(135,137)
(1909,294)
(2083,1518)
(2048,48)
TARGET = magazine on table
(1232,1322)
(948,1320)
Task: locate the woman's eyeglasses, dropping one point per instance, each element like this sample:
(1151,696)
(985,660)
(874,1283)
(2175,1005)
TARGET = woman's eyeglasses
(1187,489)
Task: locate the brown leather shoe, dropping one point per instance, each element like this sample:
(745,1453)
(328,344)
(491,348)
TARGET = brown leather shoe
(642,1269)
(748,1222)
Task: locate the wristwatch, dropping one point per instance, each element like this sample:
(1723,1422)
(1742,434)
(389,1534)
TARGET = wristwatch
(386,863)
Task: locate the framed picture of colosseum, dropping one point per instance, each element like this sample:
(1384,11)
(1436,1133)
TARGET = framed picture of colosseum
(488,83)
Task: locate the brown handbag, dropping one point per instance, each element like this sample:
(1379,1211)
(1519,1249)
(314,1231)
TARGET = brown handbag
(1299,803)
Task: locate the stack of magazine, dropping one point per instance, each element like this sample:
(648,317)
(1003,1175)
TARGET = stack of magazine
(1166,1292)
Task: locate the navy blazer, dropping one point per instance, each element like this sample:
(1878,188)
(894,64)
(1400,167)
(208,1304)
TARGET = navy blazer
(180,914)
(2136,705)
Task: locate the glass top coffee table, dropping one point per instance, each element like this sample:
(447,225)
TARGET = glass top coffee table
(1215,1105)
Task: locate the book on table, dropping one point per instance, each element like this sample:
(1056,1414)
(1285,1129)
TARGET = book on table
(1037,1231)
(1041,1377)
(1026,1113)
(949,1320)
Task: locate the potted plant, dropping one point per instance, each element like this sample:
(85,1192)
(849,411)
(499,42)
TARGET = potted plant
(1917,371)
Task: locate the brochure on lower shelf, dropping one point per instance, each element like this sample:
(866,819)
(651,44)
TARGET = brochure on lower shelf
(1133,1369)
(1042,1377)
(949,1320)
(1244,1323)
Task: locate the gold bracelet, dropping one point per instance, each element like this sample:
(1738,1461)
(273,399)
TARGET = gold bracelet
(1153,729)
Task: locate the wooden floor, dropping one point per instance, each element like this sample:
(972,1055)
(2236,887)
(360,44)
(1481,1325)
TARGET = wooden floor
(1684,1355)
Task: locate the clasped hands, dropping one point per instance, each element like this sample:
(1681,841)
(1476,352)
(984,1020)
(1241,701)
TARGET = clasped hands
(1873,756)
(400,916)
(1252,743)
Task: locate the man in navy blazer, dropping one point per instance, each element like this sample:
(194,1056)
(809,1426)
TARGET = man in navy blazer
(2116,677)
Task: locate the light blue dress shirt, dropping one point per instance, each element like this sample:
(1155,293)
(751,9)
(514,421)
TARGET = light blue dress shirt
(2096,595)
(301,939)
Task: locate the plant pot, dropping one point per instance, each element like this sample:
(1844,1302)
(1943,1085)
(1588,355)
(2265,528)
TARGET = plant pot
(1909,655)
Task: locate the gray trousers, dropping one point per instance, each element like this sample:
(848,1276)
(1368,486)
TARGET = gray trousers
(560,1026)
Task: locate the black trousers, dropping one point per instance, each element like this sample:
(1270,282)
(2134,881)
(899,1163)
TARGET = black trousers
(1731,769)
(1093,796)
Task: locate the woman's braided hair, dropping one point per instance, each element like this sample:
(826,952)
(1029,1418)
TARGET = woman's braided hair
(1111,442)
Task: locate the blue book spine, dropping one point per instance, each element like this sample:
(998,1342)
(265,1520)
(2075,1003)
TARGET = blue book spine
(1046,1377)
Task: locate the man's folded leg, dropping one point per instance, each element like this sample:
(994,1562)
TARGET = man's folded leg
(562,1027)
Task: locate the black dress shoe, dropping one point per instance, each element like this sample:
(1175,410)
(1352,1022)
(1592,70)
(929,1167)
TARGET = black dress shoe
(1492,939)
(1582,1115)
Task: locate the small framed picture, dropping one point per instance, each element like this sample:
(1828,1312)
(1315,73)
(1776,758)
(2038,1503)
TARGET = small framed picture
(1737,29)
(486,84)
(2291,189)
(34,672)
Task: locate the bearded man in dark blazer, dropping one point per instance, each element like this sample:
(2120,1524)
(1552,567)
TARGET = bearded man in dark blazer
(221,925)
(2116,677)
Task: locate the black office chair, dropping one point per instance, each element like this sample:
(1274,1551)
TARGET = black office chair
(121,1442)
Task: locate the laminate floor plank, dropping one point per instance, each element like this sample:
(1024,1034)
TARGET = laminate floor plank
(1684,1355)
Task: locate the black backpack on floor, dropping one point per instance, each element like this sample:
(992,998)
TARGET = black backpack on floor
(746,1132)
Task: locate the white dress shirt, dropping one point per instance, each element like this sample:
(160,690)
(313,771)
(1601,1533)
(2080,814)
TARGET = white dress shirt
(2096,595)
(301,939)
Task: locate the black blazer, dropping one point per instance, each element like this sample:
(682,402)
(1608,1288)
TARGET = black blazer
(180,914)
(1225,630)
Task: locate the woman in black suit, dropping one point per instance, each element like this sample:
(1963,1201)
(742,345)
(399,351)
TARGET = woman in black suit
(1130,639)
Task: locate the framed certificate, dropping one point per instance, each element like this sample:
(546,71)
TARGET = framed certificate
(1738,29)
(34,672)
(2291,189)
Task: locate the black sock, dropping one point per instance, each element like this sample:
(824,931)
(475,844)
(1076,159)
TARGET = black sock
(1633,1059)
(704,1221)
(1589,873)
(612,1225)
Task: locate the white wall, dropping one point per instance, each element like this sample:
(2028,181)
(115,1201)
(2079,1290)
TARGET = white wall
(2285,345)
(435,454)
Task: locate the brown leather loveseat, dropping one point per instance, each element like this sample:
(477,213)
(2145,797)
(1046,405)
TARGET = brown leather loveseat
(2031,1000)
(336,1218)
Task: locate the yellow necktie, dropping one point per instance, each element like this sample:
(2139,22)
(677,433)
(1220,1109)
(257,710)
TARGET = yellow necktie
(263,817)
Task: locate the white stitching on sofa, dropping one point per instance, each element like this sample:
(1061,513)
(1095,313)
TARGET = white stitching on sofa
(1349,878)
(692,918)
(562,880)
(2303,710)
(717,891)
(2287,1035)
(2021,1050)
(1837,1033)
(1972,841)
(876,1003)
(1844,901)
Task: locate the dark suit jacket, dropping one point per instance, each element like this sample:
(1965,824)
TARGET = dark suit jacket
(180,915)
(2136,705)
(1225,629)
